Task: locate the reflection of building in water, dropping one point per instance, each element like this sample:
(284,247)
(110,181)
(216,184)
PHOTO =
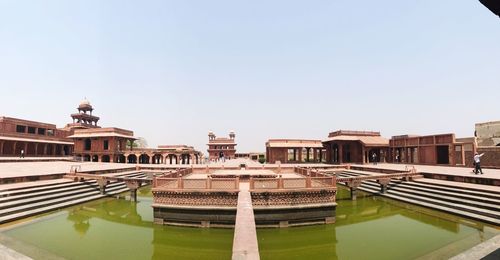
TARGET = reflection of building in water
(117,211)
(81,222)
(191,243)
(366,210)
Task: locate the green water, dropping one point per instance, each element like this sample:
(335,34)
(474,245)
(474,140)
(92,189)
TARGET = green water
(370,228)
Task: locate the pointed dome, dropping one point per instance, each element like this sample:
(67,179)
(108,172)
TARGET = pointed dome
(85,104)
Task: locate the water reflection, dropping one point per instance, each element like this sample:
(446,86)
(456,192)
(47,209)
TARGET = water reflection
(370,227)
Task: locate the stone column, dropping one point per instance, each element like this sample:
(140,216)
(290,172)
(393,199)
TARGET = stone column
(300,155)
(341,154)
(1,147)
(354,188)
(383,184)
(25,148)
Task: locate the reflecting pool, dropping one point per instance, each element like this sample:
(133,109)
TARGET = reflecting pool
(369,228)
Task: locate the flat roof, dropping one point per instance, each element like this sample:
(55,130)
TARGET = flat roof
(109,134)
(366,140)
(293,143)
(20,139)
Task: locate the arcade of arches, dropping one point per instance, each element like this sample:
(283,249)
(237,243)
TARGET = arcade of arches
(144,158)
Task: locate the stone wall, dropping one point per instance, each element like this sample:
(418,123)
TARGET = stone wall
(491,157)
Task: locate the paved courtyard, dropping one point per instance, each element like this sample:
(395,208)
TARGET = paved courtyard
(18,169)
(445,170)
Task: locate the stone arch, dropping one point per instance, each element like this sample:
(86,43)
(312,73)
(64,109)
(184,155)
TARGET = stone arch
(120,158)
(173,159)
(144,159)
(95,158)
(86,158)
(105,158)
(157,159)
(132,158)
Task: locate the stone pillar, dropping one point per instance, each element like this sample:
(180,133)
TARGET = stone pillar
(354,188)
(320,155)
(294,154)
(383,184)
(102,184)
(25,147)
(315,154)
(363,154)
(36,149)
(133,186)
(300,155)
(1,147)
(341,154)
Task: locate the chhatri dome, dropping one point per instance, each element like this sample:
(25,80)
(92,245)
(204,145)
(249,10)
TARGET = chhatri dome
(85,105)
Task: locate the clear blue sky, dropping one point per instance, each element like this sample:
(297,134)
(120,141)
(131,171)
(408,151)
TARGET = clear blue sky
(173,70)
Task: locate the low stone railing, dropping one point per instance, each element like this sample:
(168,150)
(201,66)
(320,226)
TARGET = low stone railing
(292,183)
(180,183)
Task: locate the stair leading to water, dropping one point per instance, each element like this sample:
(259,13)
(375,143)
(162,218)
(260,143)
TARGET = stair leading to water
(470,201)
(22,202)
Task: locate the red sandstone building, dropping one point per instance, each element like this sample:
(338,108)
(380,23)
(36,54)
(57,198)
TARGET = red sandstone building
(101,144)
(345,146)
(294,151)
(221,147)
(34,138)
(441,149)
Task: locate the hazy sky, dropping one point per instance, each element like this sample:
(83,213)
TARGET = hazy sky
(173,70)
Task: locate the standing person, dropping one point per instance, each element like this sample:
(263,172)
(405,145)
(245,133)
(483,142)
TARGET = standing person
(477,163)
(374,158)
(22,153)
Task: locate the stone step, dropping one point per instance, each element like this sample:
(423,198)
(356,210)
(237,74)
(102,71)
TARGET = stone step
(30,185)
(471,201)
(53,194)
(54,207)
(440,188)
(77,185)
(29,206)
(462,190)
(455,192)
(36,188)
(457,206)
(467,214)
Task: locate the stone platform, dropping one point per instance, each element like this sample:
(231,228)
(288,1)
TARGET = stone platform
(447,173)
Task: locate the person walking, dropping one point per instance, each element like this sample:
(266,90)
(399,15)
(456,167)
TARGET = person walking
(374,158)
(477,163)
(22,153)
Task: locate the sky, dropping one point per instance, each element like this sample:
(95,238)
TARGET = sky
(173,70)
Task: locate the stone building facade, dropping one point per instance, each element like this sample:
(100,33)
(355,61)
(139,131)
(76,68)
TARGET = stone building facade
(347,146)
(441,149)
(34,138)
(488,133)
(294,151)
(221,147)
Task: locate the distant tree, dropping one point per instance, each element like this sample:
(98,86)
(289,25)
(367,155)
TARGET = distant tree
(139,143)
